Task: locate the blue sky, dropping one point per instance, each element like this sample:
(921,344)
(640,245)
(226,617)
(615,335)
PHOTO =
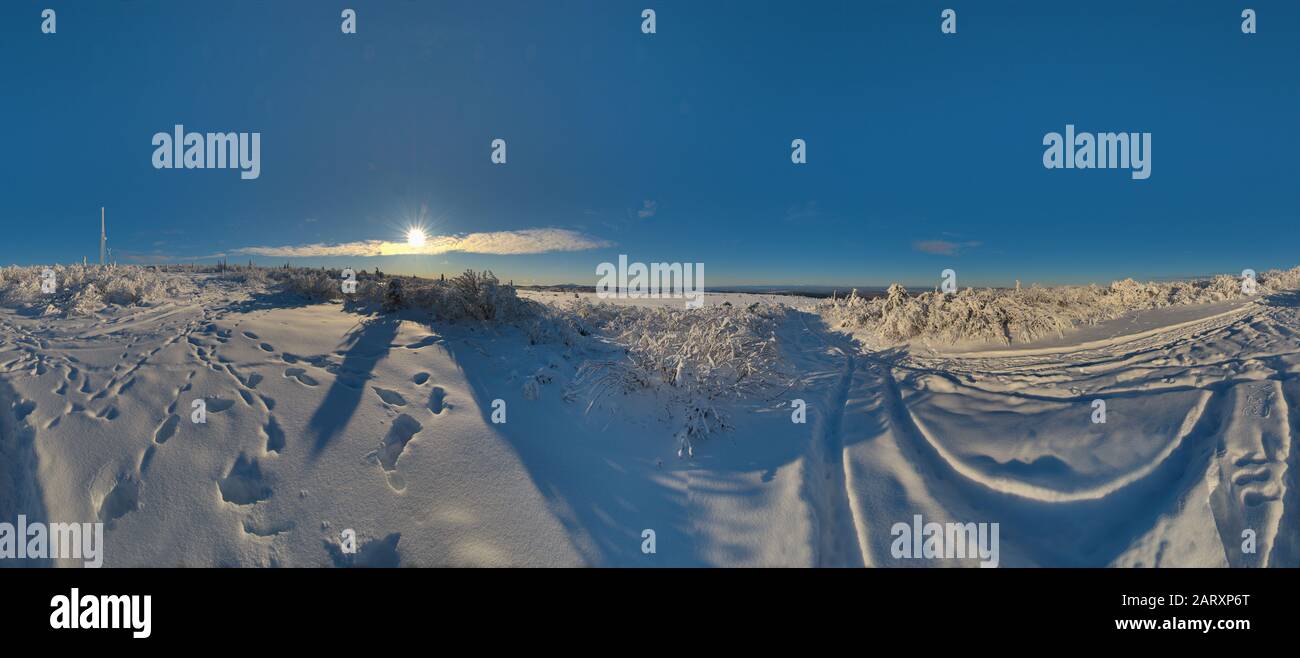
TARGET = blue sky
(668,147)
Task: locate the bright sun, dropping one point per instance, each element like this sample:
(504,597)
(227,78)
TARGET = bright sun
(415,237)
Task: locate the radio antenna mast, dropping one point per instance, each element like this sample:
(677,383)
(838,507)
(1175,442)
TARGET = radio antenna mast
(103,237)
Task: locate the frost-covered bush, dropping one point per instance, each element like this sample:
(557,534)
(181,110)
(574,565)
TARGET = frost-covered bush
(479,296)
(1025,314)
(711,352)
(697,357)
(394,300)
(84,289)
(316,285)
(552,325)
(470,297)
(1279,280)
(85,301)
(20,286)
(250,276)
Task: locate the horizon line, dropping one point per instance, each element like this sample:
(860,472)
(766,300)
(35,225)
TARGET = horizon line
(743,286)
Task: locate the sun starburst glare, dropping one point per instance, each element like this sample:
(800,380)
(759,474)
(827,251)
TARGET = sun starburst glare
(415,236)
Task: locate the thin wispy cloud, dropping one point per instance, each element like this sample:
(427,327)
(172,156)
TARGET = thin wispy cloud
(803,212)
(943,247)
(505,243)
(648,209)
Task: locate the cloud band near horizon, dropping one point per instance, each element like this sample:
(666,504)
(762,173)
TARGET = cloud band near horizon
(500,243)
(944,247)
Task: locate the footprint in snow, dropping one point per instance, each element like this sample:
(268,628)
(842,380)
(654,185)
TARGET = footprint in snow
(437,400)
(274,436)
(392,448)
(218,405)
(245,484)
(123,499)
(390,397)
(166,430)
(300,375)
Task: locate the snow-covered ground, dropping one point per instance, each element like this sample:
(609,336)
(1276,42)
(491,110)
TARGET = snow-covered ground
(322,419)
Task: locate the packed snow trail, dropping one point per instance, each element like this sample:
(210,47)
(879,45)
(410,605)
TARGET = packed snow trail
(838,537)
(1195,450)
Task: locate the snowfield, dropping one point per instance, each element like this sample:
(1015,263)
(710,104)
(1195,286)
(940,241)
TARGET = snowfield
(375,412)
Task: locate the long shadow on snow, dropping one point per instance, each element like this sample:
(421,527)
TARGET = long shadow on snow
(599,488)
(269,300)
(604,482)
(20,490)
(1287,299)
(366,345)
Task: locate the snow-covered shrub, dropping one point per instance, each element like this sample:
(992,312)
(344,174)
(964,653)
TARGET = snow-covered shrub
(1025,314)
(696,357)
(85,301)
(470,297)
(250,276)
(84,289)
(20,286)
(1279,280)
(553,325)
(133,286)
(480,296)
(713,352)
(316,285)
(394,300)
